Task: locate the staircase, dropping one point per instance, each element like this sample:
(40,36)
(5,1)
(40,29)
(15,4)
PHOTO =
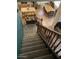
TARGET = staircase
(33,46)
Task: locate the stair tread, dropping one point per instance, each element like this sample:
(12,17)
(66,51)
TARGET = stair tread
(25,40)
(33,48)
(46,49)
(31,36)
(37,53)
(49,56)
(32,43)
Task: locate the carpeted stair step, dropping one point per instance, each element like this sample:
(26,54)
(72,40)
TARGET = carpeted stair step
(33,48)
(37,53)
(49,56)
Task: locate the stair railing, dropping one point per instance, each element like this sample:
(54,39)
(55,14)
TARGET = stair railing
(51,38)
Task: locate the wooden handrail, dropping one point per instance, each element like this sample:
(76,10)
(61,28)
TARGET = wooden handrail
(51,38)
(50,29)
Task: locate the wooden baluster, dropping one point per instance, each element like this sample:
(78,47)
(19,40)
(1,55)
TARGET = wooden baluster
(52,39)
(55,41)
(57,45)
(58,51)
(50,36)
(47,35)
